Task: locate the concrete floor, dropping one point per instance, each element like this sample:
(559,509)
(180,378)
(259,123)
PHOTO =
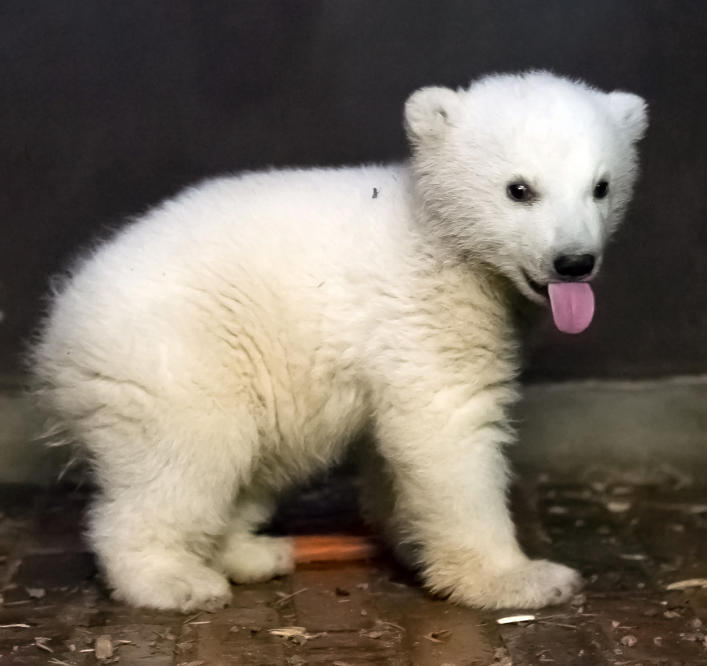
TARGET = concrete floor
(630,541)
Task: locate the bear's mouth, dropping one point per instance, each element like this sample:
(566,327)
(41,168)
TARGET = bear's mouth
(572,302)
(539,289)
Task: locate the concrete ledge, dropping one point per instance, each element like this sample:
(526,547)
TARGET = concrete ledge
(636,431)
(22,459)
(632,431)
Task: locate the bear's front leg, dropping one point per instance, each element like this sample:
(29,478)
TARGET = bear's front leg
(450,479)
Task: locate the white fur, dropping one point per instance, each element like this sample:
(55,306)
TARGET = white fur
(234,339)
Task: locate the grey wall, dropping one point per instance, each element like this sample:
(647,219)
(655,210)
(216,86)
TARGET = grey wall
(109,106)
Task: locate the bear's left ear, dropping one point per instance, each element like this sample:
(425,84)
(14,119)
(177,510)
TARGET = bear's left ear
(429,112)
(630,113)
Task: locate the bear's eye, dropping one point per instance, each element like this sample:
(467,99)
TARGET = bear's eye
(601,189)
(520,192)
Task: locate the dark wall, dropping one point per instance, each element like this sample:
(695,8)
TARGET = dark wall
(109,106)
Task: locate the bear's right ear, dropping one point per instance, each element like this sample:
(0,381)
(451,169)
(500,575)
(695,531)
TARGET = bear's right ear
(429,112)
(630,112)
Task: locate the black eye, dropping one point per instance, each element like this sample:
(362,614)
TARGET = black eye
(601,189)
(520,192)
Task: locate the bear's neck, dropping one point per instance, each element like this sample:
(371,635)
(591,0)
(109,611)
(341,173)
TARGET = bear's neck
(464,278)
(443,257)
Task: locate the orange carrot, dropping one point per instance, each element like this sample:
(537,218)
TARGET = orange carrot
(333,548)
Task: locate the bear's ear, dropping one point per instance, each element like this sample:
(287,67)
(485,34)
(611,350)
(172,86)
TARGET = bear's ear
(429,112)
(630,112)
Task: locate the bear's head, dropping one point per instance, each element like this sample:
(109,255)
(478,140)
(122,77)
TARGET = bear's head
(529,174)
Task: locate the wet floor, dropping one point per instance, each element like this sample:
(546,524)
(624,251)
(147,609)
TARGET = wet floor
(643,550)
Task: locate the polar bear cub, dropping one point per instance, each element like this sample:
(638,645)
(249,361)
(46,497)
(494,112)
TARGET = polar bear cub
(236,338)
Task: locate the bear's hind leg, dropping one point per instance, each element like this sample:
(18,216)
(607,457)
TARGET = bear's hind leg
(247,557)
(167,492)
(152,561)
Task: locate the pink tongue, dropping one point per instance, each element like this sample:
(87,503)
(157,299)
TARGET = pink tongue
(572,305)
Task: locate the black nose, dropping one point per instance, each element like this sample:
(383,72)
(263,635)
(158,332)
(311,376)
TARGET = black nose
(574,265)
